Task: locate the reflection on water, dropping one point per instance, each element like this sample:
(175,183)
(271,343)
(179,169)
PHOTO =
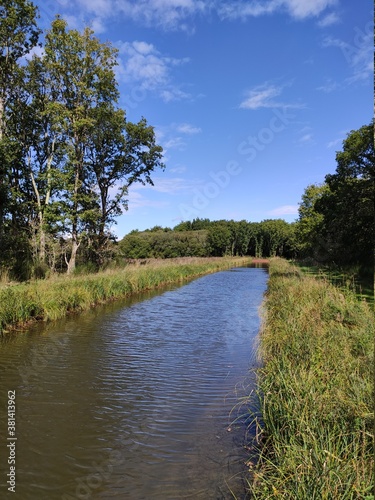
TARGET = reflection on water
(132,400)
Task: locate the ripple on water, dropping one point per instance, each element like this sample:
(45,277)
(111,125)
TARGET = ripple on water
(153,381)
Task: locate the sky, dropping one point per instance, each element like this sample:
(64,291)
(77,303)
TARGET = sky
(250,100)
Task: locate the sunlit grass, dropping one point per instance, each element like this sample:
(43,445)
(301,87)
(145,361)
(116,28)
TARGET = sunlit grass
(55,297)
(316,391)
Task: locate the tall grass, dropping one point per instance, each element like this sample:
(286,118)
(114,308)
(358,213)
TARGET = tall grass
(55,297)
(316,392)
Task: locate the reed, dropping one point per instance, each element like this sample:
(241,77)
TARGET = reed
(316,391)
(53,298)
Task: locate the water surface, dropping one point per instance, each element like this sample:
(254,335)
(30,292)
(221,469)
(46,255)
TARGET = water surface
(133,400)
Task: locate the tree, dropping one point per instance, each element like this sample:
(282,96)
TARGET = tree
(348,206)
(119,154)
(104,153)
(276,236)
(18,35)
(67,154)
(44,146)
(310,222)
(81,69)
(219,239)
(256,239)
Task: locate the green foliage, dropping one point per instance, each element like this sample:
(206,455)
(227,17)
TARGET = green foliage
(164,244)
(310,222)
(336,220)
(276,235)
(18,35)
(194,225)
(219,238)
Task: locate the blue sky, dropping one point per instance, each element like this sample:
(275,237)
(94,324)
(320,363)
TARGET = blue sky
(249,99)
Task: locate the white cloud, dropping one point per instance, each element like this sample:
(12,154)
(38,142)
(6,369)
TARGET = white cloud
(329,86)
(176,136)
(98,25)
(306,138)
(301,9)
(172,185)
(335,142)
(35,51)
(98,7)
(174,94)
(284,210)
(174,143)
(180,14)
(178,169)
(329,20)
(297,9)
(186,128)
(136,200)
(167,14)
(142,64)
(241,10)
(260,97)
(263,96)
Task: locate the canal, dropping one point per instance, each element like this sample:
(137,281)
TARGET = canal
(135,399)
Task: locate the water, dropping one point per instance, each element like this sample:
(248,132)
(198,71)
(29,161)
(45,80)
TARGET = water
(133,400)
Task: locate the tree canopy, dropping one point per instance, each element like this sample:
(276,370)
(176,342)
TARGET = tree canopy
(68,154)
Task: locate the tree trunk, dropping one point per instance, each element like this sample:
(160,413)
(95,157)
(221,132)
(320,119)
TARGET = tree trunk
(42,243)
(75,242)
(72,261)
(2,127)
(2,183)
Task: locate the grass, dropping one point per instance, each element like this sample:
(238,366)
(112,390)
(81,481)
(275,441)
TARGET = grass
(53,298)
(316,392)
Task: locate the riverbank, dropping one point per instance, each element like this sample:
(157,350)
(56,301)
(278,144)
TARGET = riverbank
(316,391)
(53,298)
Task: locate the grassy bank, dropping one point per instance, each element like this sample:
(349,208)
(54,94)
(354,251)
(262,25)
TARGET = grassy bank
(54,298)
(316,391)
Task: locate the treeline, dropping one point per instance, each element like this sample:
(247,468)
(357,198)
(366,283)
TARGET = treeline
(67,153)
(205,238)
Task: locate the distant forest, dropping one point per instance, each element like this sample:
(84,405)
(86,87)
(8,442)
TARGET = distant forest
(205,238)
(68,156)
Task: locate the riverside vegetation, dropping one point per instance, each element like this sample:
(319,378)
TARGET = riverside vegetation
(53,298)
(316,391)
